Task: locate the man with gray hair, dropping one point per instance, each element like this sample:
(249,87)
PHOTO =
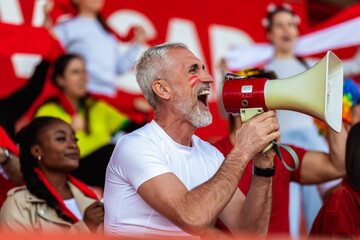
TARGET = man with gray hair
(162,180)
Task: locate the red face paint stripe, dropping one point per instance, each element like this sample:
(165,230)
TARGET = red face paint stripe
(195,79)
(192,78)
(195,82)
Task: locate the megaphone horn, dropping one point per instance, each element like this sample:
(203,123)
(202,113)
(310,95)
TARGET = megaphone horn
(316,92)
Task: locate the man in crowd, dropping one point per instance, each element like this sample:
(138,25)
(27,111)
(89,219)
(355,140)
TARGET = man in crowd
(163,180)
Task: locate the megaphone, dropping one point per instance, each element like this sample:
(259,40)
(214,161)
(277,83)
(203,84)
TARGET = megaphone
(317,92)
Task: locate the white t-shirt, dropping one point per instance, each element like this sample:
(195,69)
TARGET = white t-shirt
(140,156)
(71,204)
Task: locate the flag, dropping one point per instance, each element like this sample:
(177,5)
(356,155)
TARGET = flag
(340,34)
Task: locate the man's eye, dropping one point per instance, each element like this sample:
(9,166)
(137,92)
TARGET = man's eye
(75,139)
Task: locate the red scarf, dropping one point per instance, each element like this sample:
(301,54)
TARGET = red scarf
(6,142)
(80,185)
(65,103)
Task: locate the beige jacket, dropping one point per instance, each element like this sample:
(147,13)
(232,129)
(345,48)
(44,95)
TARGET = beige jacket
(23,211)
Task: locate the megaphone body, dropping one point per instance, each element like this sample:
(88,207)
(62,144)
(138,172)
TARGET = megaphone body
(316,92)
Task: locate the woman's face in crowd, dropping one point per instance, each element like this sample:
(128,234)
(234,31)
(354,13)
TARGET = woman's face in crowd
(89,5)
(74,80)
(57,148)
(283,32)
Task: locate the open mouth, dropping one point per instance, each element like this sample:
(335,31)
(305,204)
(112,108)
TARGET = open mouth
(203,96)
(286,38)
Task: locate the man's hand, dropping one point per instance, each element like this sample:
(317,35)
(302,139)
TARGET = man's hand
(256,134)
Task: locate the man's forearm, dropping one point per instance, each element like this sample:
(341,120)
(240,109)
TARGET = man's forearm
(255,214)
(212,196)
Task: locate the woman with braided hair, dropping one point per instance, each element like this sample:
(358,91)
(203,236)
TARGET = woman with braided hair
(52,200)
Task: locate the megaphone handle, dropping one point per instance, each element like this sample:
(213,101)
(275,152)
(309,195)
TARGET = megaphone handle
(248,113)
(269,147)
(276,147)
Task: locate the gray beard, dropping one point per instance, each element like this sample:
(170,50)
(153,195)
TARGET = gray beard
(193,113)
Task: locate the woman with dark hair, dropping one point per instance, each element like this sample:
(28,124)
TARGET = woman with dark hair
(340,214)
(52,199)
(94,121)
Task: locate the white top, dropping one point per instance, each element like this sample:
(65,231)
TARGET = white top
(285,68)
(140,156)
(296,128)
(73,207)
(3,173)
(87,38)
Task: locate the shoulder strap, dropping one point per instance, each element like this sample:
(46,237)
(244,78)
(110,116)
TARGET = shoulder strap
(303,62)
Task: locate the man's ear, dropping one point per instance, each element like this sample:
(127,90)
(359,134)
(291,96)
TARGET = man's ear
(162,89)
(36,151)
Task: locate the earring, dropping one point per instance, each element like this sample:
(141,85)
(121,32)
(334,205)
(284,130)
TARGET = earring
(39,158)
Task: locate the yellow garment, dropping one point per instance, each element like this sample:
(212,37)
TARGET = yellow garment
(104,121)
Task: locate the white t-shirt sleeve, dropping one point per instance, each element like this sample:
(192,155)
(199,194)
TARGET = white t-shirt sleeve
(138,159)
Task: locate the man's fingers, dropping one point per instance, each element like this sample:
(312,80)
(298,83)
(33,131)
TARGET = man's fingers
(263,116)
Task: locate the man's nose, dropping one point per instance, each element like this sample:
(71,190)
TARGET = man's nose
(206,78)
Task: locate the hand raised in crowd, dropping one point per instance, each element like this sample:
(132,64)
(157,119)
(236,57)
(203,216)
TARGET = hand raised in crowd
(94,216)
(142,105)
(78,122)
(140,36)
(49,5)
